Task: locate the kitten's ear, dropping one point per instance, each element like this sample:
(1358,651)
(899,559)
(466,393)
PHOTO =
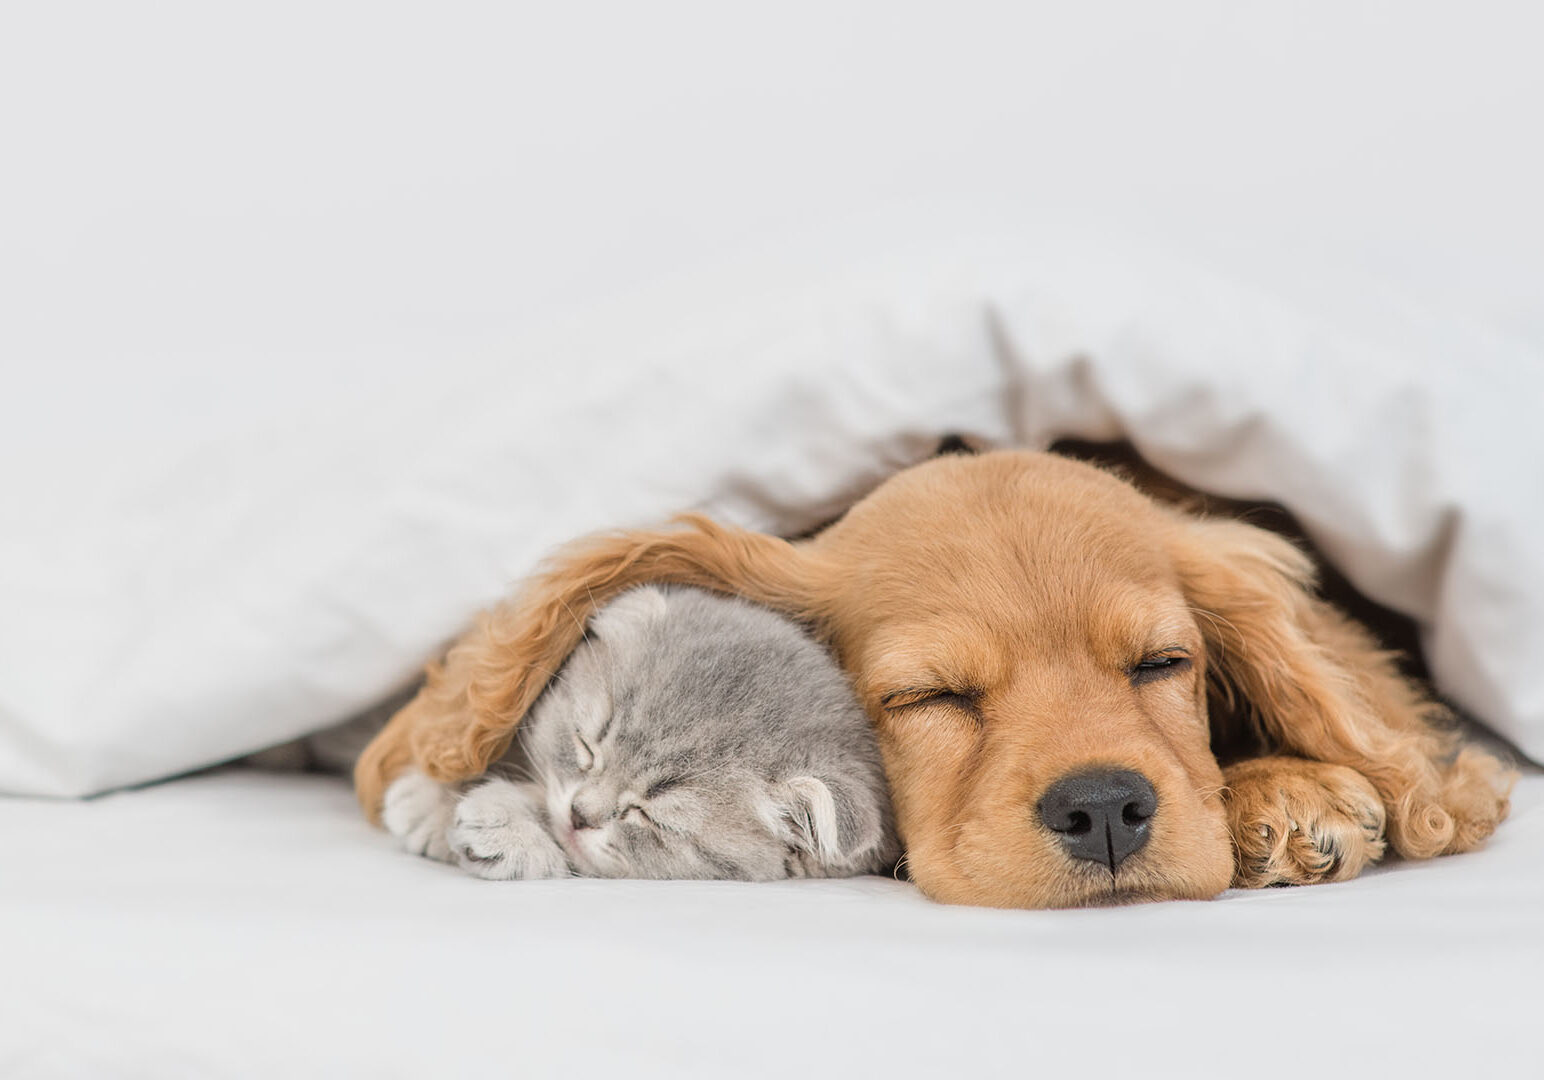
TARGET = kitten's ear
(633,611)
(835,819)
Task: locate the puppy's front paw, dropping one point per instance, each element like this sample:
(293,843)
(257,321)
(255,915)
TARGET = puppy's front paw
(497,833)
(417,810)
(1298,822)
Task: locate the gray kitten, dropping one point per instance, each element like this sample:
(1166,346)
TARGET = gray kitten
(689,735)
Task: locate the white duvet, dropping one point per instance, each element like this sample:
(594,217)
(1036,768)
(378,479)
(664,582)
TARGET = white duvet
(257,589)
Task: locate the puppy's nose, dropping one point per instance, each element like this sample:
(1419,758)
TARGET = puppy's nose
(576,816)
(1100,815)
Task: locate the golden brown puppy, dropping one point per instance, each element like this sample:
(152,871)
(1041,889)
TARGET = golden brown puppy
(1046,653)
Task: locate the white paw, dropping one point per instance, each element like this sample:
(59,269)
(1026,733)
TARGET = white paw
(417,811)
(497,833)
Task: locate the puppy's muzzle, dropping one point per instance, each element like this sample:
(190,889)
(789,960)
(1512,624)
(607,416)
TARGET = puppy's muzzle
(1101,815)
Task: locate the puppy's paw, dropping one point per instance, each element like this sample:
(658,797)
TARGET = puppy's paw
(497,833)
(1297,822)
(417,811)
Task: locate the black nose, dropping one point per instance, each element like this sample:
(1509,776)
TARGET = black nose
(1100,815)
(577,817)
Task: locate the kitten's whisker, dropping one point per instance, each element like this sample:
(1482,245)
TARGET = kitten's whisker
(552,676)
(578,622)
(513,771)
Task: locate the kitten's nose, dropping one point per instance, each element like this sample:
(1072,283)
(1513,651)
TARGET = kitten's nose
(576,816)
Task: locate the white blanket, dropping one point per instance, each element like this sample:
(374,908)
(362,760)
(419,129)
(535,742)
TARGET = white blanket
(252,591)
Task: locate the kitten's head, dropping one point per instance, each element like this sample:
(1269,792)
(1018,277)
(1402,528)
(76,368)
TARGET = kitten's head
(695,736)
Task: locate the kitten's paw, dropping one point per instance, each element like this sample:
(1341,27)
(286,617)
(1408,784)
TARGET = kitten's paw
(497,833)
(417,811)
(1298,822)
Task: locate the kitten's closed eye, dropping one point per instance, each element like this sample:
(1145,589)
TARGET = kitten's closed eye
(659,787)
(584,756)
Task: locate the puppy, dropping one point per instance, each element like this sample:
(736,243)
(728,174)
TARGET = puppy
(1048,656)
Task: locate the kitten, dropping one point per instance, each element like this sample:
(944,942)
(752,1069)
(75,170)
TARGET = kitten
(689,735)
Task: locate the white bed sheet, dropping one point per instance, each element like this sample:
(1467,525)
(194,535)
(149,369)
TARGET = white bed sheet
(244,924)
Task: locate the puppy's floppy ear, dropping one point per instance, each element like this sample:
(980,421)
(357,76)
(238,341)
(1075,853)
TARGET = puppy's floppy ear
(829,818)
(465,716)
(1316,685)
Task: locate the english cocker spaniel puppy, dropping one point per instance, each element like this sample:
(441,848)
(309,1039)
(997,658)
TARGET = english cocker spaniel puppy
(1049,657)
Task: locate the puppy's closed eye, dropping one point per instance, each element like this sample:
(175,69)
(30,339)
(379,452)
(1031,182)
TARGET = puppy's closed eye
(914,697)
(1156,666)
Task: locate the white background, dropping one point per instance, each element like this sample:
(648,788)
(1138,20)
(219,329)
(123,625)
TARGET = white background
(249,207)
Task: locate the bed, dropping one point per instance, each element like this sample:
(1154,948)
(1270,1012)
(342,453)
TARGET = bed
(243,924)
(328,323)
